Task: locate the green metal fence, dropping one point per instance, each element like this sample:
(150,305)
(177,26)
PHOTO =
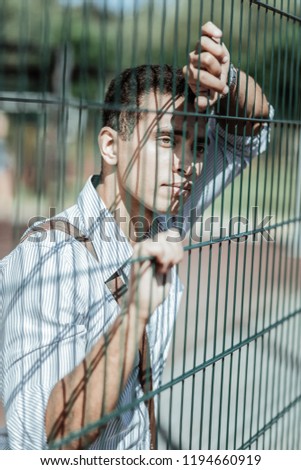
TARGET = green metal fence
(232,380)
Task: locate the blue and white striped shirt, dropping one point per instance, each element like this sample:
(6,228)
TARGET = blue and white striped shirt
(54,306)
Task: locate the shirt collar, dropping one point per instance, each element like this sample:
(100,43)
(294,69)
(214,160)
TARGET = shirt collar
(111,245)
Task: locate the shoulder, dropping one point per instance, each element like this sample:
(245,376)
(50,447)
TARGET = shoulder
(44,256)
(51,240)
(41,278)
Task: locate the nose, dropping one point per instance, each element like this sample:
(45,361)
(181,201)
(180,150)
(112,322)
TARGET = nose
(183,162)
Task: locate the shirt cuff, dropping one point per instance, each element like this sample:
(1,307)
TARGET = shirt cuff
(249,146)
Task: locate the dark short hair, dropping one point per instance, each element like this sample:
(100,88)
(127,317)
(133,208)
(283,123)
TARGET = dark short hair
(123,97)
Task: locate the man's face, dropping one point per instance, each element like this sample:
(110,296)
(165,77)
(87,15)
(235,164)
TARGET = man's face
(158,165)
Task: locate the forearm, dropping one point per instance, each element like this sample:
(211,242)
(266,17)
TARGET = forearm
(93,388)
(246,100)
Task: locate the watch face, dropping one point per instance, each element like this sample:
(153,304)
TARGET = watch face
(232,77)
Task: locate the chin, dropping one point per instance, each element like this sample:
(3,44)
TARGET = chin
(171,210)
(168,207)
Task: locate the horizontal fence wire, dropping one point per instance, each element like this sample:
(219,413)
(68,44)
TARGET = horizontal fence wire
(231,378)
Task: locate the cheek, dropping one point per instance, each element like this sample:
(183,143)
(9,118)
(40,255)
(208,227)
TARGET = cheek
(145,168)
(150,164)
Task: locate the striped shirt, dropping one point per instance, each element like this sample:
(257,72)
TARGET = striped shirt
(54,305)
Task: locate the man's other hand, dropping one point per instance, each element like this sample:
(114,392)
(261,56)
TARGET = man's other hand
(151,274)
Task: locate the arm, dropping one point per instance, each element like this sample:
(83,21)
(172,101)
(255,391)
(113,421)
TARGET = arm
(246,99)
(92,389)
(207,74)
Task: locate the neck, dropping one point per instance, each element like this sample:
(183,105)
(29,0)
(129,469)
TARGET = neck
(133,219)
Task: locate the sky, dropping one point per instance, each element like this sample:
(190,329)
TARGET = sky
(114,5)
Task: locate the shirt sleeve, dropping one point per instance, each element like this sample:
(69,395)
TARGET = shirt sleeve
(44,336)
(226,156)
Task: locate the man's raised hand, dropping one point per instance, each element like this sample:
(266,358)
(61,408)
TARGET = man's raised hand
(207,70)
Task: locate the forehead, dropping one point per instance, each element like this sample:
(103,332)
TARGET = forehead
(162,110)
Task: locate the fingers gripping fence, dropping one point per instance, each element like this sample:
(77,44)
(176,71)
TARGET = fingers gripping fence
(232,374)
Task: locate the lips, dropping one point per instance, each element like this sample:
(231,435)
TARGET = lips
(179,189)
(186,186)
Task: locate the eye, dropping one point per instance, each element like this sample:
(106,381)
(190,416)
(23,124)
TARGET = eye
(199,148)
(166,141)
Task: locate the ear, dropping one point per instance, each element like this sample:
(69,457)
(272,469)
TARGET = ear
(107,142)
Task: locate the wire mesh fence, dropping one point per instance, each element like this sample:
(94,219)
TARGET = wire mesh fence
(231,380)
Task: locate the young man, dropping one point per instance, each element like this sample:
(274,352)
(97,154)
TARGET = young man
(71,347)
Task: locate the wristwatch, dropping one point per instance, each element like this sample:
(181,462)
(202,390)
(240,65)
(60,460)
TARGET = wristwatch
(232,77)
